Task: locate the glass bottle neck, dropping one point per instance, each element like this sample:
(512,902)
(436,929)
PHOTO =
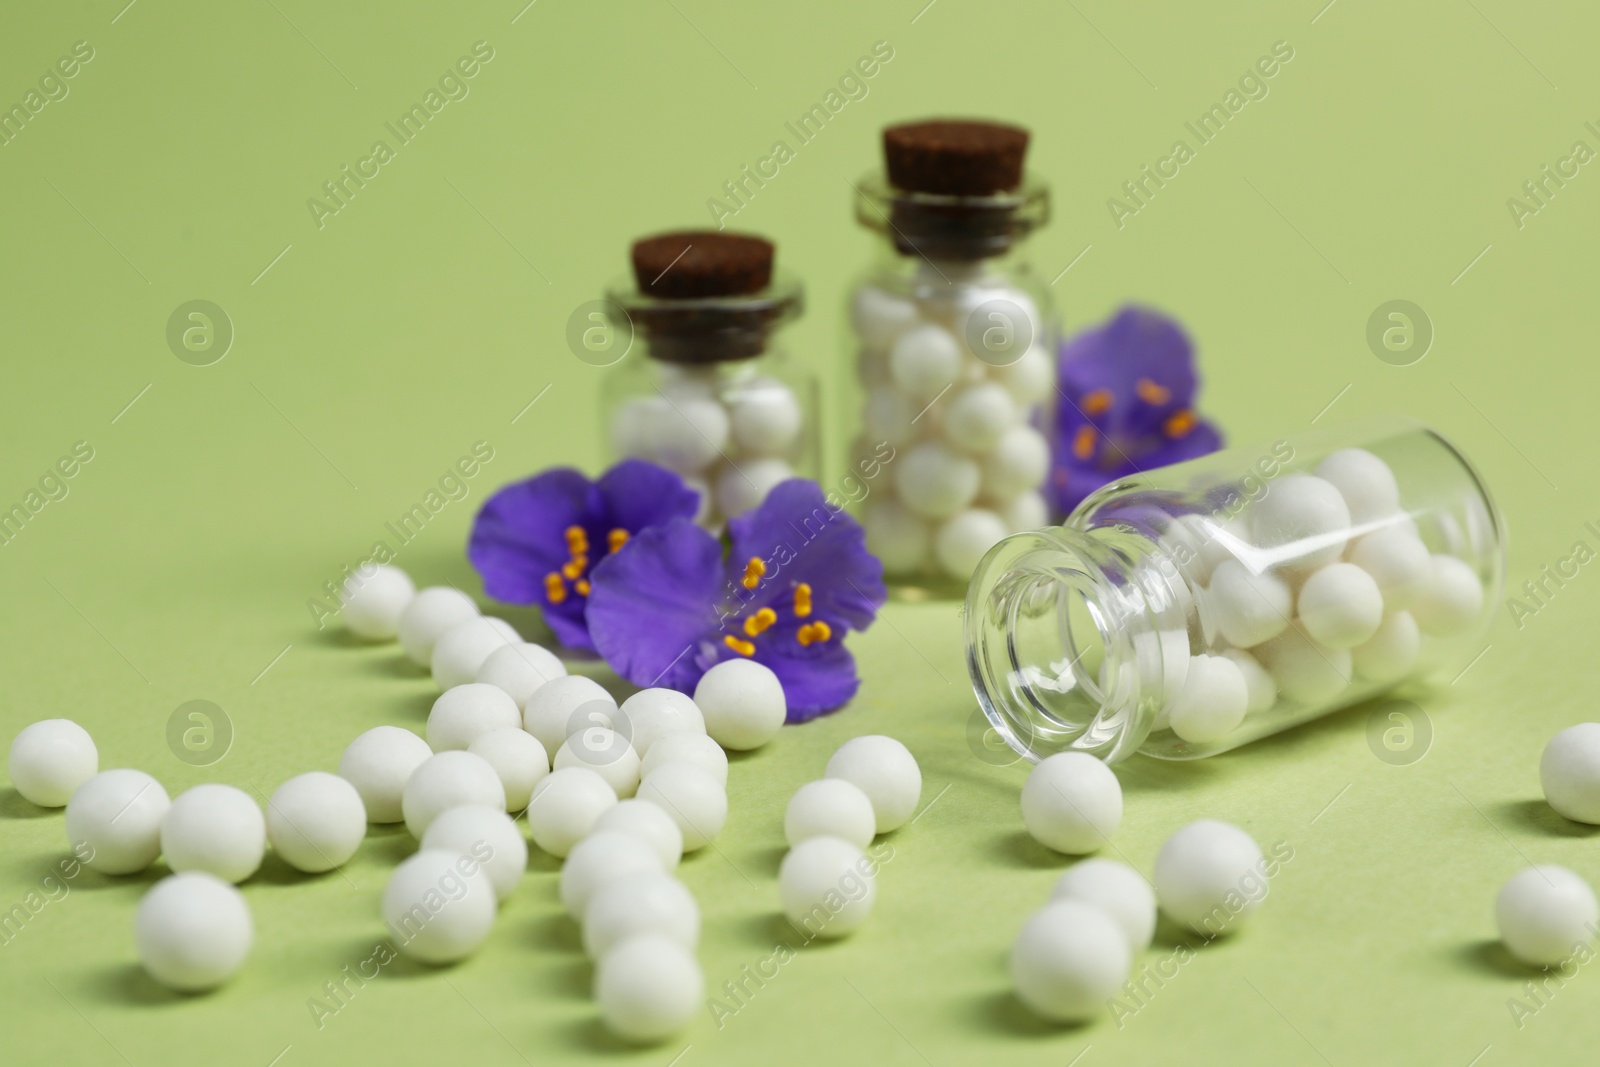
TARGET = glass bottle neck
(1076,639)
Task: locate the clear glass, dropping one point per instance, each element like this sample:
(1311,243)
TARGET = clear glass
(710,391)
(1194,608)
(952,370)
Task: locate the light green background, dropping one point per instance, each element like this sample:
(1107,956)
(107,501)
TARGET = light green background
(427,314)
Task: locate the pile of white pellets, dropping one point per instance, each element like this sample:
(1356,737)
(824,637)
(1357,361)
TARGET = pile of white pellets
(621,793)
(732,434)
(1077,952)
(969,462)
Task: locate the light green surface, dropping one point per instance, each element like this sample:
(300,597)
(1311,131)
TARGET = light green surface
(427,314)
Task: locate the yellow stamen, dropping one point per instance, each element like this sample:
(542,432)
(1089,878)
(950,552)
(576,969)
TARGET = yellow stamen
(582,586)
(1097,402)
(1179,424)
(813,632)
(760,621)
(802,600)
(555,590)
(1151,393)
(744,648)
(573,570)
(1083,443)
(616,539)
(577,540)
(753,572)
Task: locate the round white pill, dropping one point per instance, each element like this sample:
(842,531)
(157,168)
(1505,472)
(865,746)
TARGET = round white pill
(830,807)
(217,829)
(519,669)
(743,487)
(649,903)
(649,823)
(315,821)
(693,797)
(765,418)
(1026,511)
(653,713)
(1453,599)
(1365,481)
(885,770)
(565,807)
(648,988)
(1250,608)
(50,759)
(1116,889)
(192,931)
(605,752)
(1020,461)
(1210,876)
(374,599)
(1569,771)
(684,432)
(117,814)
(697,749)
(924,361)
(430,613)
(564,705)
(900,539)
(880,317)
(1071,802)
(378,763)
(826,886)
(741,704)
(1391,652)
(1031,379)
(462,649)
(1257,682)
(1212,702)
(1340,605)
(1398,561)
(1305,518)
(979,415)
(1306,672)
(1068,960)
(462,714)
(448,780)
(605,856)
(439,905)
(964,539)
(935,481)
(518,759)
(887,415)
(1545,914)
(489,836)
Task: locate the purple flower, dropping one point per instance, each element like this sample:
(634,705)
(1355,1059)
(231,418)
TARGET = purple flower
(797,577)
(1127,388)
(538,541)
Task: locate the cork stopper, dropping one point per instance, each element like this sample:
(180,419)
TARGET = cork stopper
(952,157)
(695,264)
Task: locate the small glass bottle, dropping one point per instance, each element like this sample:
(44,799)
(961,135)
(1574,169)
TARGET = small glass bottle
(953,349)
(1190,609)
(717,399)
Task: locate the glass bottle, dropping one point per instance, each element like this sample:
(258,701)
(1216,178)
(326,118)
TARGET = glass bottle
(1190,609)
(952,349)
(716,397)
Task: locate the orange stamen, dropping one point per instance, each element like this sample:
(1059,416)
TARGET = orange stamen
(573,570)
(744,648)
(753,572)
(1097,402)
(1151,393)
(813,632)
(555,590)
(582,586)
(760,621)
(1179,424)
(616,539)
(1083,443)
(577,540)
(802,600)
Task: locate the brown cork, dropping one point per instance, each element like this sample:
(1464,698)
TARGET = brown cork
(692,264)
(951,157)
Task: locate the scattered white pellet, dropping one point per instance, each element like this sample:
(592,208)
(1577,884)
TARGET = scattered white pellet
(1340,605)
(605,856)
(1453,600)
(1250,608)
(1398,561)
(1071,802)
(880,317)
(1213,701)
(462,649)
(1306,672)
(963,539)
(827,886)
(1365,481)
(1569,771)
(563,705)
(649,823)
(428,614)
(830,807)
(51,758)
(466,712)
(117,816)
(605,752)
(764,418)
(439,905)
(565,807)
(486,834)
(1209,876)
(192,931)
(1020,461)
(519,669)
(649,903)
(448,780)
(683,431)
(1305,518)
(378,763)
(316,821)
(935,481)
(1116,889)
(1258,683)
(373,602)
(1545,914)
(925,360)
(1031,378)
(694,798)
(1068,960)
(1391,652)
(978,415)
(885,770)
(517,758)
(685,747)
(648,987)
(214,828)
(653,713)
(742,705)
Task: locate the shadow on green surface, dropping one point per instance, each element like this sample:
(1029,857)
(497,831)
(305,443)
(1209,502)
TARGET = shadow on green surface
(1018,849)
(1003,1013)
(14,806)
(127,983)
(389,844)
(1541,817)
(1489,956)
(592,1035)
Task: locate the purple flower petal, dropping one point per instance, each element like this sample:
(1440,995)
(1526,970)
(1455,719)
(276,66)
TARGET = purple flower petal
(816,680)
(637,494)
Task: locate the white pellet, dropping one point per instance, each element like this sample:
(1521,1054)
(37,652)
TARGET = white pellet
(1068,960)
(1210,876)
(653,713)
(488,835)
(648,988)
(1569,771)
(448,780)
(1026,511)
(1546,914)
(1116,889)
(1453,600)
(963,539)
(192,931)
(462,649)
(684,432)
(979,415)
(935,481)
(697,749)
(650,903)
(519,669)
(565,704)
(214,828)
(1398,561)
(1020,461)
(742,705)
(743,486)
(1305,518)
(765,417)
(316,821)
(1340,605)
(605,752)
(428,614)
(1391,652)
(885,770)
(827,886)
(880,317)
(830,807)
(1306,672)
(887,415)
(463,714)
(565,807)
(605,856)
(1365,481)
(1250,608)
(924,361)
(693,797)
(1213,701)
(1258,683)
(439,905)
(1071,803)
(518,759)
(373,602)
(50,759)
(1031,379)
(378,763)
(117,816)
(648,822)
(900,539)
